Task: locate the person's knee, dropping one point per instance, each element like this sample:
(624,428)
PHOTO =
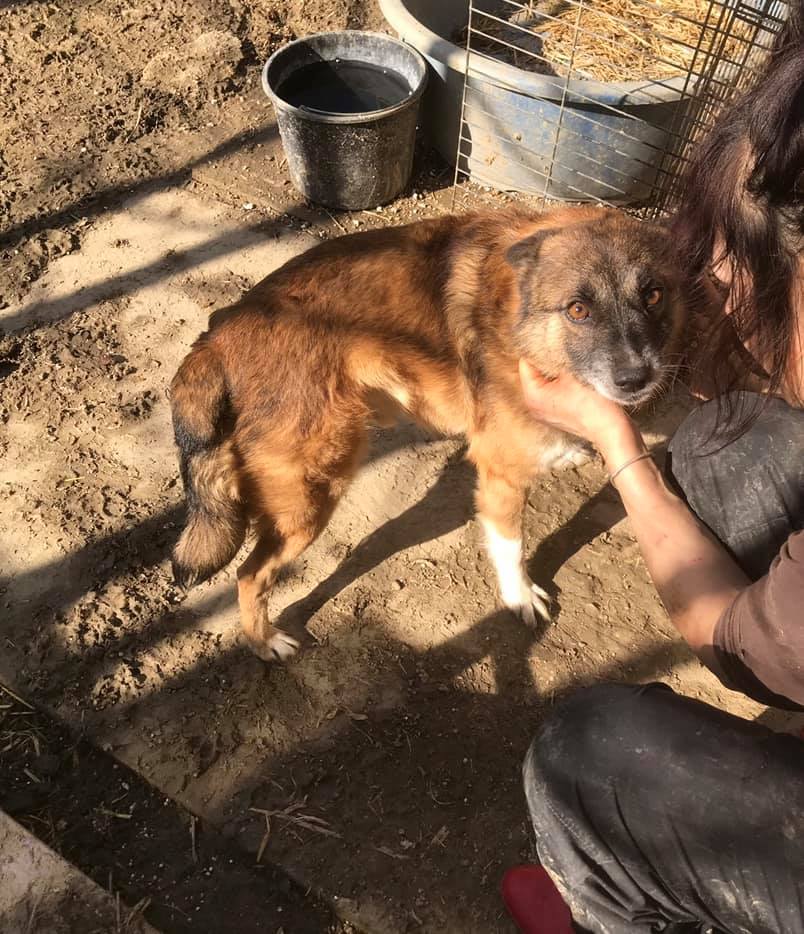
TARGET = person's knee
(699,449)
(748,490)
(590,734)
(685,465)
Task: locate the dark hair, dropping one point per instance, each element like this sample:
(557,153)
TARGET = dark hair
(743,203)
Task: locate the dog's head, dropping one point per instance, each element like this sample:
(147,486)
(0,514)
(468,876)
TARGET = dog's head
(600,296)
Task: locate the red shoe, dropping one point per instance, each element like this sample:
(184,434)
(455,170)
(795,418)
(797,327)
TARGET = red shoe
(534,902)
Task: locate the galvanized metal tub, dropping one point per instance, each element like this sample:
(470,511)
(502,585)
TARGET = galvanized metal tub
(574,141)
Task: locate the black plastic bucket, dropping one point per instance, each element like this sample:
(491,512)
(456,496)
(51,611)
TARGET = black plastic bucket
(347,160)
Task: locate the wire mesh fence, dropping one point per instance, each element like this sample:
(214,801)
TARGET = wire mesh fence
(601,100)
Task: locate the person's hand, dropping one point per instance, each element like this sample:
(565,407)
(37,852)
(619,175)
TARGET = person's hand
(572,406)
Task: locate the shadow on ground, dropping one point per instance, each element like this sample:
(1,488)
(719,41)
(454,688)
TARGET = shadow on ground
(94,204)
(419,789)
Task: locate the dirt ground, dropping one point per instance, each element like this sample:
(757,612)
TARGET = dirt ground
(150,854)
(98,96)
(40,888)
(142,185)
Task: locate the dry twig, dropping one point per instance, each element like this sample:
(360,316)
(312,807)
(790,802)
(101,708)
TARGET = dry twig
(16,697)
(291,816)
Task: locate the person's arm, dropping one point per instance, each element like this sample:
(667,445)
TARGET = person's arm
(697,579)
(695,576)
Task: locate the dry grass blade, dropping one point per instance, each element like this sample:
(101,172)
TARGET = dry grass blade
(283,813)
(118,814)
(313,820)
(16,697)
(335,220)
(291,816)
(33,914)
(193,850)
(386,852)
(440,836)
(264,841)
(138,910)
(325,830)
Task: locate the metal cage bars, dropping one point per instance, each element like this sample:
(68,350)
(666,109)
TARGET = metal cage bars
(627,145)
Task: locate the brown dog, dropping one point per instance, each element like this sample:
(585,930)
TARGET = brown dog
(271,406)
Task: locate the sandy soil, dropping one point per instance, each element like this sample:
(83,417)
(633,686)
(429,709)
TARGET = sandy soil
(99,96)
(387,755)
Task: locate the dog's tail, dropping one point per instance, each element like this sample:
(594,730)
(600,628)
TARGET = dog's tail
(202,424)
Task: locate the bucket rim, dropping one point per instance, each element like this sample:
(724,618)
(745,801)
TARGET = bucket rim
(367,116)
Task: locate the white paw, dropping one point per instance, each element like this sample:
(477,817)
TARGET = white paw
(283,646)
(529,602)
(576,456)
(273,646)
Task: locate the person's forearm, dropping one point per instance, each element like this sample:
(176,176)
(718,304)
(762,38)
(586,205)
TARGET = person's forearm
(695,576)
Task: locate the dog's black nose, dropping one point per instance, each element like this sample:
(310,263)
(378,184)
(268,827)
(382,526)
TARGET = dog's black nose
(632,380)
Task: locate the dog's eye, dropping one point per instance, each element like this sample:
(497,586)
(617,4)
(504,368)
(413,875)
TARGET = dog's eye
(653,297)
(577,311)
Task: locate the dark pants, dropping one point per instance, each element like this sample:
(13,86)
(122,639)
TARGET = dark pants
(751,492)
(656,812)
(653,809)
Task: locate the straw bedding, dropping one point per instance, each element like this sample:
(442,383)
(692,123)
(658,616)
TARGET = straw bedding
(606,40)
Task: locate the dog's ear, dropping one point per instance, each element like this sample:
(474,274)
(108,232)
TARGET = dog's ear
(524,253)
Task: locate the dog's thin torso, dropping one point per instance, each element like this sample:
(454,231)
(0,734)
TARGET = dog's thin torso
(395,323)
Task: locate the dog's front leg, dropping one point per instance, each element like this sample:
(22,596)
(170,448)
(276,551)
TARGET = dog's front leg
(500,501)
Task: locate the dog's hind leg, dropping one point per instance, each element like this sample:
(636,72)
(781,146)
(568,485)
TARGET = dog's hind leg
(255,577)
(500,500)
(293,506)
